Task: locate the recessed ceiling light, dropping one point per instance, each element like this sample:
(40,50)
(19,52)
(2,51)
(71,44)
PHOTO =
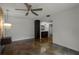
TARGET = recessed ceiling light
(47,15)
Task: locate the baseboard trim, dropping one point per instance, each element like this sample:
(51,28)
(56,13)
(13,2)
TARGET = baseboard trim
(66,47)
(22,39)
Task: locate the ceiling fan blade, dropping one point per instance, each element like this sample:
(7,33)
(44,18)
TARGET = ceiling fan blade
(38,9)
(21,9)
(34,13)
(26,14)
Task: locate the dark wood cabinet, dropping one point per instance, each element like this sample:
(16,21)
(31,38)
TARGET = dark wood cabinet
(44,34)
(6,40)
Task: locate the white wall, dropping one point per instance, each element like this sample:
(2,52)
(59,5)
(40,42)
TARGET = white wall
(66,28)
(23,28)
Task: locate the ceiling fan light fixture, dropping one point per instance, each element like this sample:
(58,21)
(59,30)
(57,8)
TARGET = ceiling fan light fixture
(29,8)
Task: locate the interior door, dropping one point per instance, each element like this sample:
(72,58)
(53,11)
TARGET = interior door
(37,29)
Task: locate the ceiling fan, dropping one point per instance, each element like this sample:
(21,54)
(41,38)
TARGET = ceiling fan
(29,8)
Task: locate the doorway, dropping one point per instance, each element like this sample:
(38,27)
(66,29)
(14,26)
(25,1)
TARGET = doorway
(46,31)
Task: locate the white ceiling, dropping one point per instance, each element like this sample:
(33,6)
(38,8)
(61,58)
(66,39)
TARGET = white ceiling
(48,8)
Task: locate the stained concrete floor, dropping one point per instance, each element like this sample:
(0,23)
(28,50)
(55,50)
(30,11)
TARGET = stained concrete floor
(31,47)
